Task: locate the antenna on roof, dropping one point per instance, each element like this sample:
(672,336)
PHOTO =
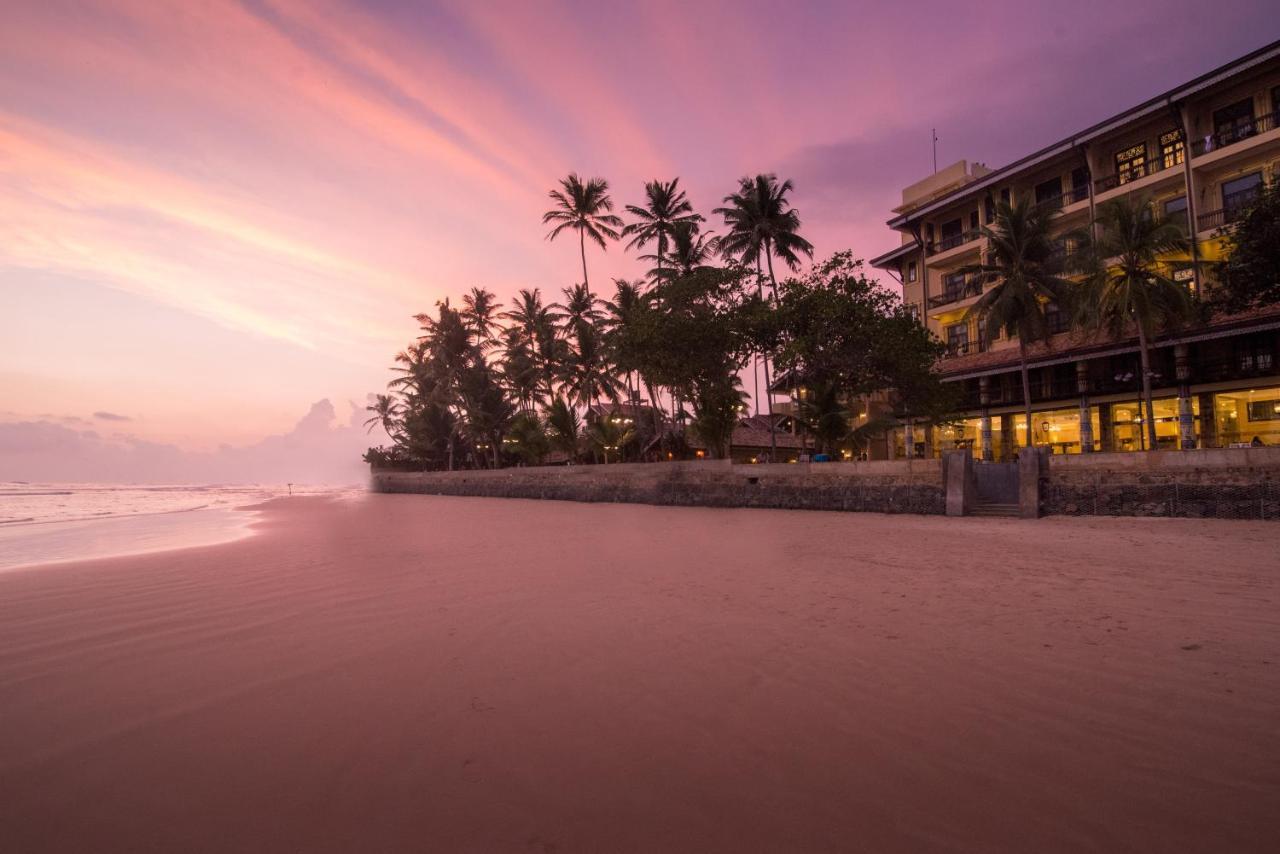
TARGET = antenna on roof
(935,150)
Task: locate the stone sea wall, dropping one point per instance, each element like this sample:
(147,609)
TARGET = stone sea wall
(1234,483)
(914,486)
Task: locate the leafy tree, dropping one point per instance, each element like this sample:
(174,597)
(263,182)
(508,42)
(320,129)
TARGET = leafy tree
(690,337)
(717,403)
(666,208)
(1130,288)
(1024,269)
(836,330)
(1250,275)
(585,207)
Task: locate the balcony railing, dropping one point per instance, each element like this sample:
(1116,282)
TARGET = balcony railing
(1069,197)
(1234,207)
(1236,133)
(954,240)
(1110,182)
(955,294)
(964,348)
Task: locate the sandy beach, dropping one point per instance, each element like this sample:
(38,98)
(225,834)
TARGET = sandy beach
(409,673)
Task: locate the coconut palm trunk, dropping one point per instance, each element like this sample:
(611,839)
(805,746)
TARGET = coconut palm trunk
(1148,407)
(582,247)
(1026,387)
(768,397)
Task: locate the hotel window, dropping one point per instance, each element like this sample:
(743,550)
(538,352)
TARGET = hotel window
(1239,193)
(1079,184)
(914,311)
(953,286)
(1254,355)
(957,339)
(911,271)
(989,208)
(1049,190)
(1175,211)
(1131,163)
(1172,151)
(1233,122)
(973,221)
(1054,320)
(1005,195)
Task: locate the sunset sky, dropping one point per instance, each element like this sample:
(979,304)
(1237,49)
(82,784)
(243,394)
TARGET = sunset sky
(215,214)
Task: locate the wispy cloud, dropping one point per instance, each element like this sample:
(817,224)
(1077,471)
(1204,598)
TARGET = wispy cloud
(305,175)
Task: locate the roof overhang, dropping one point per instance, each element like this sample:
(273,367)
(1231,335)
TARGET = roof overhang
(1155,105)
(896,255)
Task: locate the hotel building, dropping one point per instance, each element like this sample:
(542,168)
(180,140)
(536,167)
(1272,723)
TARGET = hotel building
(1199,153)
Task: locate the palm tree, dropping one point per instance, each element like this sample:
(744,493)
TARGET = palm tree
(1128,287)
(1023,268)
(519,366)
(385,409)
(586,374)
(527,438)
(825,415)
(579,306)
(584,207)
(761,221)
(564,428)
(539,330)
(480,313)
(691,251)
(665,208)
(610,435)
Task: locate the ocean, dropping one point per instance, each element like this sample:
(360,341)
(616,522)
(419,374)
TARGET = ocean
(54,522)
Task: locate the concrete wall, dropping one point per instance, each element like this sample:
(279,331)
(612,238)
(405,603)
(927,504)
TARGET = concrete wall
(1225,483)
(1236,483)
(906,486)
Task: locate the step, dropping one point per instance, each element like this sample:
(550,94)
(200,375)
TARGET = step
(994,510)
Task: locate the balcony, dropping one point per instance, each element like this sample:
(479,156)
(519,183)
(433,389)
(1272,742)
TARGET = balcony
(1069,197)
(1151,167)
(1234,134)
(964,348)
(953,241)
(955,294)
(1234,207)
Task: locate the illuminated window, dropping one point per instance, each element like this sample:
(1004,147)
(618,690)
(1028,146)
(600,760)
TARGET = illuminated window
(1131,163)
(1171,148)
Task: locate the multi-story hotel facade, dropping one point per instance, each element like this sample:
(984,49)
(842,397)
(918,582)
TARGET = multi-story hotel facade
(1200,154)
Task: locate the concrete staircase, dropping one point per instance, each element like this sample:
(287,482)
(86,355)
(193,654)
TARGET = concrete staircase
(989,509)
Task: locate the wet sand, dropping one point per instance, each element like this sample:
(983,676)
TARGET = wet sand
(410,673)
